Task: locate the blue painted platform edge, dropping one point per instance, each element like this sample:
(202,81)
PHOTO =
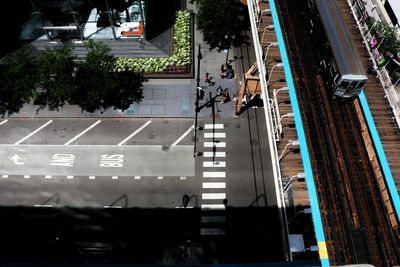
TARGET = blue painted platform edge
(381,154)
(300,132)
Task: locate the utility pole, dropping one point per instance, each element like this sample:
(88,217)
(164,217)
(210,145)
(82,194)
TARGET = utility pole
(199,57)
(111,20)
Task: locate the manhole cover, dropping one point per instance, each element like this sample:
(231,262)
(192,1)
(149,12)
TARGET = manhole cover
(165,148)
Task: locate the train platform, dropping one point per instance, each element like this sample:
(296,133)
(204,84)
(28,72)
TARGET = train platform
(296,176)
(376,115)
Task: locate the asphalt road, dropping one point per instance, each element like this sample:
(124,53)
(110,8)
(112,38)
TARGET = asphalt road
(62,199)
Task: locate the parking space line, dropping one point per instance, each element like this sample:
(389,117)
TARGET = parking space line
(114,177)
(214,144)
(134,133)
(4,176)
(213,196)
(2,122)
(214,164)
(216,154)
(82,133)
(27,176)
(48,177)
(137,177)
(183,136)
(32,133)
(183,177)
(214,185)
(215,126)
(160,177)
(214,135)
(91,177)
(70,177)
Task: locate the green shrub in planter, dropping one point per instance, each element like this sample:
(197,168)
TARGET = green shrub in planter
(181,55)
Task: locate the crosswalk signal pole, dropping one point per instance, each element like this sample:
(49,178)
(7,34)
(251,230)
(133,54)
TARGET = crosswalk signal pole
(199,57)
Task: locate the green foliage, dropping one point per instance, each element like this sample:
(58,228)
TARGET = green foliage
(55,71)
(387,34)
(100,88)
(181,55)
(223,23)
(17,81)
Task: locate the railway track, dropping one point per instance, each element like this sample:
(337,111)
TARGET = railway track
(357,226)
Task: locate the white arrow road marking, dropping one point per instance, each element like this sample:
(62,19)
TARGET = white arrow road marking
(17,160)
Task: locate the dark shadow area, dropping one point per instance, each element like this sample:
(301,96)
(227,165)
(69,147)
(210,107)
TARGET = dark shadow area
(134,235)
(12,15)
(160,16)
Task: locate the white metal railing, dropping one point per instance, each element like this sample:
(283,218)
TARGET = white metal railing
(384,78)
(253,9)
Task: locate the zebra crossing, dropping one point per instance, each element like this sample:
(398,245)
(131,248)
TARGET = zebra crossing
(213,197)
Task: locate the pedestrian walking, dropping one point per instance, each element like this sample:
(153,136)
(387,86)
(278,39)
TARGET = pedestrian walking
(207,78)
(140,42)
(220,91)
(225,96)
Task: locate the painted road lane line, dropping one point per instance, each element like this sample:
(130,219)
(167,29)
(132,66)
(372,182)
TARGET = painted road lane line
(137,177)
(27,176)
(214,185)
(183,136)
(213,196)
(214,135)
(70,177)
(214,174)
(4,176)
(82,133)
(48,177)
(216,154)
(134,133)
(214,164)
(92,177)
(32,133)
(214,144)
(114,177)
(213,207)
(214,126)
(2,122)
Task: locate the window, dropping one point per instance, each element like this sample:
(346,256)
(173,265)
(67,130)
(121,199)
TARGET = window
(344,84)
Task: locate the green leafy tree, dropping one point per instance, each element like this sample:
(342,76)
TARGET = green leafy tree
(99,87)
(223,23)
(128,89)
(17,81)
(56,77)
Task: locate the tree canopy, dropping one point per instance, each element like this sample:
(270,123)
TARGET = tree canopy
(223,23)
(56,78)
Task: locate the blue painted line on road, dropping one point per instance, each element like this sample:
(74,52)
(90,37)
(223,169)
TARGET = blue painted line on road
(319,232)
(381,154)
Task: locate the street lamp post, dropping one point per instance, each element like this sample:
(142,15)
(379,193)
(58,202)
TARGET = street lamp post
(273,44)
(199,58)
(277,65)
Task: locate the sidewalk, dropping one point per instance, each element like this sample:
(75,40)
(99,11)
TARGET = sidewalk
(165,97)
